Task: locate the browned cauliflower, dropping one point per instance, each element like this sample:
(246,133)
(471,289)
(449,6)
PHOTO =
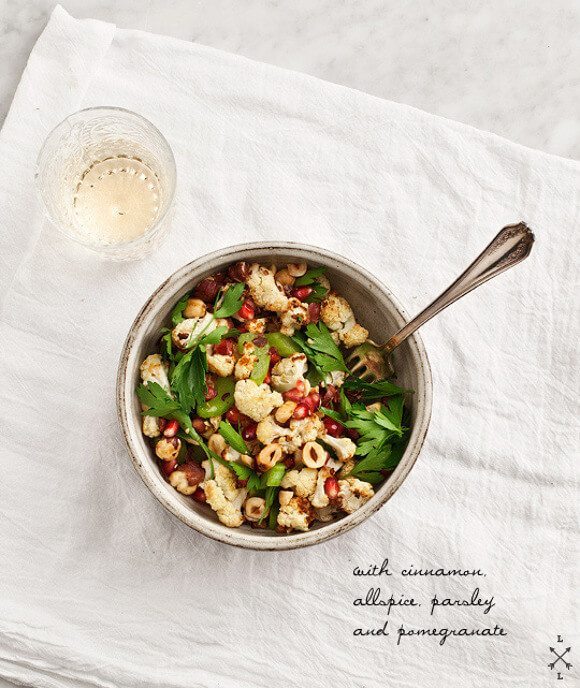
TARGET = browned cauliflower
(296,515)
(338,316)
(264,290)
(353,493)
(256,401)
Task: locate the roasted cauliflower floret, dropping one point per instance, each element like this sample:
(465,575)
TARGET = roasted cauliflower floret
(354,336)
(222,494)
(319,498)
(150,426)
(220,364)
(256,401)
(335,377)
(269,431)
(153,369)
(306,430)
(344,447)
(353,493)
(294,317)
(189,329)
(256,326)
(303,482)
(296,515)
(264,290)
(337,315)
(288,371)
(245,364)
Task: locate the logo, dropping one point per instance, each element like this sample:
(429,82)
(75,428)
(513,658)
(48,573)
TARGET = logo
(560,659)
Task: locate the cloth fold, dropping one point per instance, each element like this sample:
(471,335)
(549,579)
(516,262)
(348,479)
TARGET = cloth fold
(99,586)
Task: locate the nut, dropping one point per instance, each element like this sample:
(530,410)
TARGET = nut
(284,412)
(187,477)
(217,444)
(297,269)
(254,508)
(194,308)
(247,460)
(284,278)
(313,455)
(269,456)
(167,449)
(284,497)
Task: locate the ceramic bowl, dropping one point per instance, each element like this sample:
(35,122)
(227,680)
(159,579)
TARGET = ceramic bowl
(374,306)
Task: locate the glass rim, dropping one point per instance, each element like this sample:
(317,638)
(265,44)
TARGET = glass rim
(146,236)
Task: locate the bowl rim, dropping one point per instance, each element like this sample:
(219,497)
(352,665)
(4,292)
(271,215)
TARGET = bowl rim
(236,536)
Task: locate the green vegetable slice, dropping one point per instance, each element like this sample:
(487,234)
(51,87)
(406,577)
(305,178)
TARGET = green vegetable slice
(283,344)
(273,476)
(262,365)
(232,437)
(223,401)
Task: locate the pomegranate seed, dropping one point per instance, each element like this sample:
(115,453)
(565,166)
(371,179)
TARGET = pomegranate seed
(260,341)
(293,395)
(167,467)
(233,416)
(331,487)
(224,348)
(171,428)
(312,401)
(249,432)
(268,378)
(161,422)
(199,495)
(242,482)
(302,292)
(289,462)
(300,386)
(211,393)
(199,425)
(313,312)
(274,357)
(332,427)
(301,411)
(247,311)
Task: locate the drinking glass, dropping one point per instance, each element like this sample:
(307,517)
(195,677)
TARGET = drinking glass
(106,177)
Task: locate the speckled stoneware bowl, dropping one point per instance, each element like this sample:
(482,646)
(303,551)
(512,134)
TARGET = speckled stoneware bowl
(374,306)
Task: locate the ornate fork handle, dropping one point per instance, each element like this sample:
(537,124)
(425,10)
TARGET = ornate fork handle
(510,247)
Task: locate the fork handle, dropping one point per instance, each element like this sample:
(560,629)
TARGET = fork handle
(510,247)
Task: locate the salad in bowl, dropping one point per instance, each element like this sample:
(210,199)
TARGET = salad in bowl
(249,406)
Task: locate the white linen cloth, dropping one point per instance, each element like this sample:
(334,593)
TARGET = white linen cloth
(99,586)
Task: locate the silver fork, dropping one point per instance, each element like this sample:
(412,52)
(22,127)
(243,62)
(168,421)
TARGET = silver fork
(370,361)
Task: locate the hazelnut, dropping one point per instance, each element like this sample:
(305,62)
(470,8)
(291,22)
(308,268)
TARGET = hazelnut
(269,456)
(297,269)
(254,508)
(194,308)
(313,455)
(284,412)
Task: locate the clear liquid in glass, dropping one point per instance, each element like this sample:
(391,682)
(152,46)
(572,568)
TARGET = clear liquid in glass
(116,200)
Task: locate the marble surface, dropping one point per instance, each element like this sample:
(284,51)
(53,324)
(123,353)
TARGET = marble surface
(510,67)
(507,66)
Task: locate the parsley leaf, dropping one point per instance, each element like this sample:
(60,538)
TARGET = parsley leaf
(177,312)
(188,379)
(320,348)
(246,473)
(371,391)
(318,294)
(273,476)
(215,336)
(309,277)
(159,401)
(262,365)
(232,301)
